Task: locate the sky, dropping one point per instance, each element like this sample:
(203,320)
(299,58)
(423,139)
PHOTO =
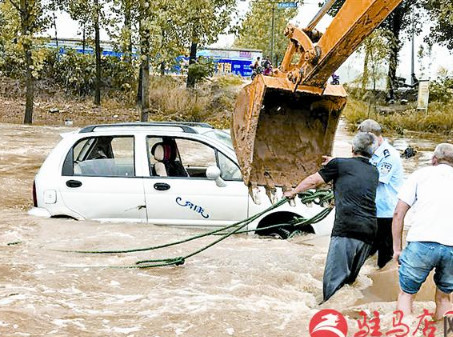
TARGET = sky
(440,57)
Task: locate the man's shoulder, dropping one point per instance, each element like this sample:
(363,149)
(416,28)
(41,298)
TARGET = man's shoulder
(356,163)
(427,170)
(389,150)
(387,156)
(423,173)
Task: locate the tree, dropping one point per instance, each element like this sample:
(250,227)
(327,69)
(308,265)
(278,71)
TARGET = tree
(32,20)
(92,15)
(202,22)
(394,26)
(145,27)
(128,11)
(161,39)
(256,29)
(441,14)
(375,49)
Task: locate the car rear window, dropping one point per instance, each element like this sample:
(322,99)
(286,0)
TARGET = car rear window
(102,156)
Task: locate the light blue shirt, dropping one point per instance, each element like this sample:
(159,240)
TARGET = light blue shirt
(388,162)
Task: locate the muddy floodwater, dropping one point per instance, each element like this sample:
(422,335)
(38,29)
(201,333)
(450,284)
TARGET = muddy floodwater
(245,286)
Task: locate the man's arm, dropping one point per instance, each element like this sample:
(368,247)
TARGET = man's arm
(397,227)
(310,182)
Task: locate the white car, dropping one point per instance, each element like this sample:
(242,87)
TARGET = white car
(180,174)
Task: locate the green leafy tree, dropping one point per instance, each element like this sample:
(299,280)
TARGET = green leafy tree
(31,19)
(256,29)
(441,15)
(375,49)
(201,23)
(127,12)
(161,40)
(92,15)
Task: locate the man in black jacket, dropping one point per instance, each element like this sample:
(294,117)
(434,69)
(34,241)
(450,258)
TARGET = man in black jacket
(355,181)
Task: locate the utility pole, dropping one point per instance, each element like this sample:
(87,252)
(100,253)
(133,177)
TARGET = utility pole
(413,79)
(272,33)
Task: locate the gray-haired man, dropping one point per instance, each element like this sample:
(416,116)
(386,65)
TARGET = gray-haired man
(355,182)
(388,162)
(428,192)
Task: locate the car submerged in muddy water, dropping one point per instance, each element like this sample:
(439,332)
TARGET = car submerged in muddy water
(180,174)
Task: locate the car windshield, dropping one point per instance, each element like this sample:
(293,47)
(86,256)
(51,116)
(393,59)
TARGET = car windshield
(221,135)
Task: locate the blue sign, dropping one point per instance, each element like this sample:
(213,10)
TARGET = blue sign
(287,5)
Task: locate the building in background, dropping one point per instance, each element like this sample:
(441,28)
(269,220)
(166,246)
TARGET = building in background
(226,60)
(231,60)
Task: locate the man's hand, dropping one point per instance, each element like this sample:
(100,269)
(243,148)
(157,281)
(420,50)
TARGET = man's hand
(325,160)
(290,194)
(396,255)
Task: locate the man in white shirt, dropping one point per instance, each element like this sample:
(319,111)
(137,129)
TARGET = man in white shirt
(429,193)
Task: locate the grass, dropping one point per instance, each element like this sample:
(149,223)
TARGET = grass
(211,102)
(438,119)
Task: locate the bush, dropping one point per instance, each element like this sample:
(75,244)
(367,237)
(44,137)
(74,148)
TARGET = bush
(229,80)
(74,71)
(441,90)
(439,118)
(201,69)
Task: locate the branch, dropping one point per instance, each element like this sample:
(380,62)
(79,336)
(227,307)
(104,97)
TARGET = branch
(15,5)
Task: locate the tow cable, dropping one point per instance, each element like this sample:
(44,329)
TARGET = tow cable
(319,197)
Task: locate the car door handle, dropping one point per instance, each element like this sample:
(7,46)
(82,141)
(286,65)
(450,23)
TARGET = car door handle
(161,186)
(73,183)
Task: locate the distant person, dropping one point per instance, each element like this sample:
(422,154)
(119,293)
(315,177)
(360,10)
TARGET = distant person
(388,162)
(257,63)
(355,181)
(267,66)
(335,79)
(428,192)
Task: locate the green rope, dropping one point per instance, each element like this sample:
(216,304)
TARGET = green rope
(320,197)
(297,222)
(246,221)
(181,259)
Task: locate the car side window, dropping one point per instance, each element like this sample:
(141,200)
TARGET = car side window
(180,157)
(196,157)
(229,170)
(104,156)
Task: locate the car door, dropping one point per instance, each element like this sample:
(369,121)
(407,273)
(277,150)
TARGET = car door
(193,199)
(99,180)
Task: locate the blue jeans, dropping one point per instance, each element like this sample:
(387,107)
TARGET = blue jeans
(418,259)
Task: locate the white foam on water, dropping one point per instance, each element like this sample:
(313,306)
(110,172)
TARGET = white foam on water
(12,298)
(126,331)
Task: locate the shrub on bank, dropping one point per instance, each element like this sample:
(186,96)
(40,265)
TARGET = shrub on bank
(209,102)
(439,117)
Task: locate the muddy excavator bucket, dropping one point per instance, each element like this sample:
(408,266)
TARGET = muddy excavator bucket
(280,135)
(284,123)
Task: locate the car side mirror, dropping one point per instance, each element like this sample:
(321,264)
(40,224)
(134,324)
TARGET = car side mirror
(213,173)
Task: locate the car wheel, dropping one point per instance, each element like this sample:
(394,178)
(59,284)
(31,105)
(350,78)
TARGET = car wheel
(279,233)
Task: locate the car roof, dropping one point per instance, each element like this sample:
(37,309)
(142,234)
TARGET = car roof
(186,127)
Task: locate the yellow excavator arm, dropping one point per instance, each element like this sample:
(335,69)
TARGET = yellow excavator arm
(284,123)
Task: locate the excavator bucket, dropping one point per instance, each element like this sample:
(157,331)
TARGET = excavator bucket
(284,123)
(280,135)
